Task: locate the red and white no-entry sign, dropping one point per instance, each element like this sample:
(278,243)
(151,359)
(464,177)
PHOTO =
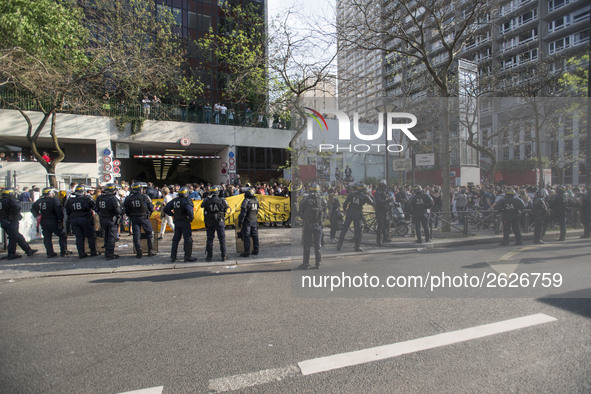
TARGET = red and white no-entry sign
(107,167)
(107,177)
(185,141)
(107,159)
(117,163)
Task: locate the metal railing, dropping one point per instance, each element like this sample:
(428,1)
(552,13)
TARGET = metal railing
(160,111)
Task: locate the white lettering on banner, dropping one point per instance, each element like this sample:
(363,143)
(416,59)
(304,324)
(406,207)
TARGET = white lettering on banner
(360,148)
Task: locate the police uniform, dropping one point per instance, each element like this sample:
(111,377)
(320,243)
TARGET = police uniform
(248,221)
(559,205)
(420,204)
(109,210)
(214,213)
(586,212)
(52,222)
(511,208)
(539,213)
(10,215)
(383,207)
(334,206)
(353,207)
(312,209)
(181,210)
(139,207)
(79,210)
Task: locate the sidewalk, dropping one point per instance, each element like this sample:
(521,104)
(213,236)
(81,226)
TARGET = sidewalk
(277,244)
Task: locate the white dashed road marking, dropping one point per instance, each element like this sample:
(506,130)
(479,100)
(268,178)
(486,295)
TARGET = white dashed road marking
(358,357)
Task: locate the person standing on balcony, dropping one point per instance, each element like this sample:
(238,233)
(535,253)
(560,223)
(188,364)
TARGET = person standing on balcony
(146,107)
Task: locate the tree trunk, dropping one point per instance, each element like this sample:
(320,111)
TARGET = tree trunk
(445,165)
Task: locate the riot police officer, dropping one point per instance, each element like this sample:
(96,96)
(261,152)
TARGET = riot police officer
(10,215)
(353,207)
(335,215)
(383,208)
(214,213)
(586,212)
(420,205)
(79,209)
(539,213)
(109,210)
(181,209)
(559,205)
(52,221)
(511,208)
(247,220)
(312,210)
(139,207)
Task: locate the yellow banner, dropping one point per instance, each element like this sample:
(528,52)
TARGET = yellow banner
(271,209)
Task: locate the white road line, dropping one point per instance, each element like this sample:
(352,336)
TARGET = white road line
(242,381)
(416,345)
(336,361)
(152,390)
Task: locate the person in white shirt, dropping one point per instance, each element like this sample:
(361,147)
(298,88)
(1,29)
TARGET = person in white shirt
(165,218)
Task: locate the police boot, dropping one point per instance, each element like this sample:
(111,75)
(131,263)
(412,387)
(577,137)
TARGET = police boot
(51,255)
(66,253)
(152,252)
(303,266)
(173,258)
(94,253)
(245,254)
(31,252)
(14,256)
(209,257)
(223,257)
(190,259)
(138,254)
(112,256)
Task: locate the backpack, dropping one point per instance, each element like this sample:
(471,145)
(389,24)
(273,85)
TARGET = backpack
(313,210)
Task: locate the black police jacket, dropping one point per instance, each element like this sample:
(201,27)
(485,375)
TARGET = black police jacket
(420,203)
(49,208)
(108,206)
(80,206)
(10,210)
(181,209)
(214,209)
(355,202)
(248,210)
(138,205)
(510,207)
(312,209)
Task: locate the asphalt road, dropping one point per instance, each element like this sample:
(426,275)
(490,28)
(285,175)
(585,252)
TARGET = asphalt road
(255,329)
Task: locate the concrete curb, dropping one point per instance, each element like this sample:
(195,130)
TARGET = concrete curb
(395,247)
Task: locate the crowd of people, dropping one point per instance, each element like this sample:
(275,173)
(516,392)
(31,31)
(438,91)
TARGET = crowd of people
(118,206)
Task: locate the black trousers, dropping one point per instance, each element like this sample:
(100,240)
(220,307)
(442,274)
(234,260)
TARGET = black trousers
(14,237)
(356,218)
(83,227)
(137,224)
(250,230)
(509,225)
(421,220)
(182,229)
(312,236)
(220,229)
(110,233)
(49,228)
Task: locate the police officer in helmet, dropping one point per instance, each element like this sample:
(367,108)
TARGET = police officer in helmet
(181,210)
(139,207)
(214,213)
(559,205)
(539,214)
(383,208)
(247,220)
(353,207)
(52,221)
(312,210)
(586,212)
(109,210)
(420,206)
(79,208)
(510,208)
(10,215)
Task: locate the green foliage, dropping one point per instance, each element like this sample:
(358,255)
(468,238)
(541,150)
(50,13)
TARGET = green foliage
(136,123)
(576,78)
(240,48)
(49,30)
(189,88)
